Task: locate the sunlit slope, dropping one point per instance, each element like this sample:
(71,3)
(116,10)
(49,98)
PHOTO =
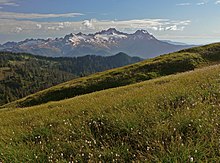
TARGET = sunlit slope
(170,119)
(181,61)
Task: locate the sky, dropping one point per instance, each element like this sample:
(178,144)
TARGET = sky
(188,21)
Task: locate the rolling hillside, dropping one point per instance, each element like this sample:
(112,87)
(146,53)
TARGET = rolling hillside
(24,74)
(169,119)
(173,63)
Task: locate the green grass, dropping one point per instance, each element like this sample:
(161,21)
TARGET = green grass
(169,119)
(173,63)
(4,72)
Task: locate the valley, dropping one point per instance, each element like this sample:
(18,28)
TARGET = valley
(23,74)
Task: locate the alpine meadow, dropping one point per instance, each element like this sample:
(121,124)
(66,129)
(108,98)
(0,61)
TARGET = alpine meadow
(109,81)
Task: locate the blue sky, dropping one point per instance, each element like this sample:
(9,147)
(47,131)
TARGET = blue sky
(189,21)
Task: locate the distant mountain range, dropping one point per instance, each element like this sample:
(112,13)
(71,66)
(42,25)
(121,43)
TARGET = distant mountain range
(175,43)
(104,43)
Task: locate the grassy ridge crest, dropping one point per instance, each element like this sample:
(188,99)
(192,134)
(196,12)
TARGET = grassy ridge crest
(182,61)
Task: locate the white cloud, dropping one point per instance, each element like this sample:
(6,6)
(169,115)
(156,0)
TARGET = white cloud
(27,26)
(217,2)
(200,3)
(183,4)
(18,29)
(154,28)
(8,3)
(88,24)
(12,15)
(174,28)
(39,26)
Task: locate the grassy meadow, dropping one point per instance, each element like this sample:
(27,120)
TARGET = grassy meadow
(163,65)
(169,119)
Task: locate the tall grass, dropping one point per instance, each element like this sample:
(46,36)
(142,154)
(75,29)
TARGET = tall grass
(169,119)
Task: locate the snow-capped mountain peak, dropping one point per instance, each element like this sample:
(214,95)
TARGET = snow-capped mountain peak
(67,37)
(110,31)
(106,36)
(109,35)
(105,42)
(141,32)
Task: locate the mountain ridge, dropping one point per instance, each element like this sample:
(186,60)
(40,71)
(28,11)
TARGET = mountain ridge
(104,43)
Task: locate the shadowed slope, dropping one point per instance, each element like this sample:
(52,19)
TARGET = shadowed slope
(181,61)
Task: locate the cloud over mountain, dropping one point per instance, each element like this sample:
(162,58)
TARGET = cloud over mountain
(13,15)
(32,24)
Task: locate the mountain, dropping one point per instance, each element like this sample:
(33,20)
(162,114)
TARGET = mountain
(104,43)
(181,61)
(175,43)
(169,119)
(25,74)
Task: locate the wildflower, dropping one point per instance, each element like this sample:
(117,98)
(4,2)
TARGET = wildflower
(191,159)
(94,141)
